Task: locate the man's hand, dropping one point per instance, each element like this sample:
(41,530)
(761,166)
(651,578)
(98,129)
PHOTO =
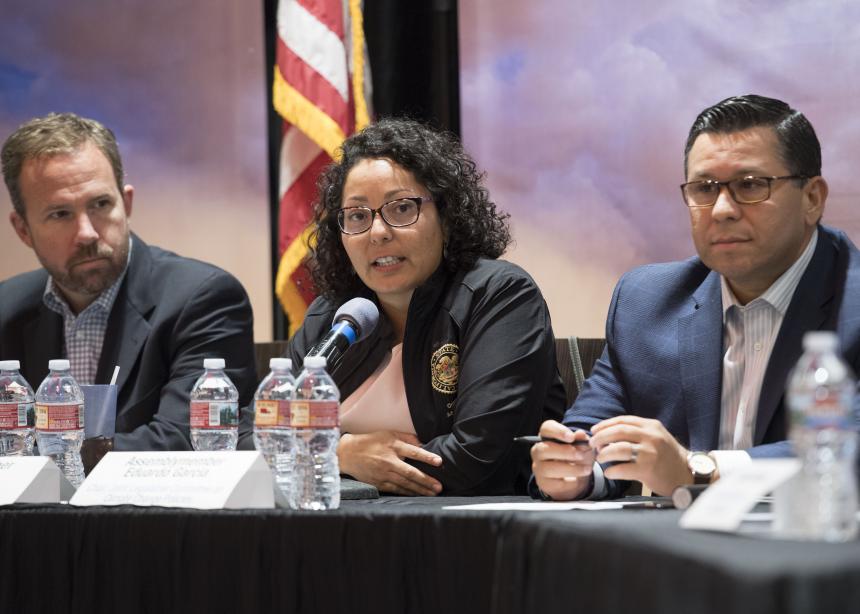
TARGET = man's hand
(645,451)
(562,471)
(376,458)
(93,450)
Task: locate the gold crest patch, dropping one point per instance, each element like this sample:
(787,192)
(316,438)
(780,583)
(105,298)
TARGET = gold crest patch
(445,368)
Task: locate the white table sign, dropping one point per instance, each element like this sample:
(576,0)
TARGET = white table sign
(32,479)
(723,505)
(199,480)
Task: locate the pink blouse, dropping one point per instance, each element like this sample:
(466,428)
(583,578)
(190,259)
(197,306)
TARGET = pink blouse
(379,404)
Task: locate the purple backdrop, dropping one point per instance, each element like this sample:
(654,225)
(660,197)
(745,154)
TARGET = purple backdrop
(579,112)
(182,84)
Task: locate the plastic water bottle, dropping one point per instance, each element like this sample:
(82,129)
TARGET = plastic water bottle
(315,426)
(822,503)
(272,422)
(214,409)
(60,420)
(17,411)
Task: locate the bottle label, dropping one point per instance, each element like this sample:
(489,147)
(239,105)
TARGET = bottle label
(272,413)
(827,413)
(17,415)
(214,414)
(68,417)
(314,414)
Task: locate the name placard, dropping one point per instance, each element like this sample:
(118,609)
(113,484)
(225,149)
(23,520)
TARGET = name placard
(723,505)
(32,479)
(198,480)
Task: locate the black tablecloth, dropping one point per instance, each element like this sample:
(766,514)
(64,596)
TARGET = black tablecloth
(405,555)
(640,561)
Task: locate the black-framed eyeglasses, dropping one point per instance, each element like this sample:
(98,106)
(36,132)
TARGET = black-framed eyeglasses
(744,190)
(395,213)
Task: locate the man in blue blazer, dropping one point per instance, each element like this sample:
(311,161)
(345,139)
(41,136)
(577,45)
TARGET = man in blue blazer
(698,352)
(106,298)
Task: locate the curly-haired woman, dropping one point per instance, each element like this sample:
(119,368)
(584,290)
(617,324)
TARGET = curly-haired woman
(463,357)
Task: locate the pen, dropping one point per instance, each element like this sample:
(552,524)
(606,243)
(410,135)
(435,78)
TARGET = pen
(533,439)
(659,503)
(683,496)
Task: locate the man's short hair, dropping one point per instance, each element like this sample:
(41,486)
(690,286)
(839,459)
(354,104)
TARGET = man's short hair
(799,147)
(56,133)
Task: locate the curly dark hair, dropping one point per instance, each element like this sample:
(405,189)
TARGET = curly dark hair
(473,227)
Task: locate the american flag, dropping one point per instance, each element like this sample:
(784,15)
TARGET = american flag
(321,89)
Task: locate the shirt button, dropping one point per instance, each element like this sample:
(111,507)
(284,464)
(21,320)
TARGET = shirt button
(80,335)
(757,347)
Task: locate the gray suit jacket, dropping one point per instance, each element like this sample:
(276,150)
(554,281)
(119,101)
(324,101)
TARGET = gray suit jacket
(170,314)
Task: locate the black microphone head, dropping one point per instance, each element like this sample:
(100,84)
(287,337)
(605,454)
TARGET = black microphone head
(361,313)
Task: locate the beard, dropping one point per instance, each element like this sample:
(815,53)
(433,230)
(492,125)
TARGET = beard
(93,281)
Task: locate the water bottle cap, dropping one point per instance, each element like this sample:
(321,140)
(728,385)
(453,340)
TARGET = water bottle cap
(213,363)
(282,364)
(315,362)
(59,364)
(9,365)
(820,341)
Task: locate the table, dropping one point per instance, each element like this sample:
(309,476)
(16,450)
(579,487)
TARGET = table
(405,555)
(640,561)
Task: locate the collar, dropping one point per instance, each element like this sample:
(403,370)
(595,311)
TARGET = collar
(426,296)
(779,294)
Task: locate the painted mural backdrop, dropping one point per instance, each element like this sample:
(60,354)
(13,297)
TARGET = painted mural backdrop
(578,111)
(182,86)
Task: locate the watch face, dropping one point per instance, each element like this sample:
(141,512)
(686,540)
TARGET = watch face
(702,464)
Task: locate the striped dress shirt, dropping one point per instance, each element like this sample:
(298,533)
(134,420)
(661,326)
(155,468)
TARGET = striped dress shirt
(749,334)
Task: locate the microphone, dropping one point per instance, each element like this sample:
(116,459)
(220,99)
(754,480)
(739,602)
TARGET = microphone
(354,321)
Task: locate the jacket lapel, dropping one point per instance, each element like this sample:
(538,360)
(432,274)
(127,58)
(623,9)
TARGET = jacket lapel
(700,344)
(44,335)
(128,327)
(808,310)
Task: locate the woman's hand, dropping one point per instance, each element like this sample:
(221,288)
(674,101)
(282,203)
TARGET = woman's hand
(377,458)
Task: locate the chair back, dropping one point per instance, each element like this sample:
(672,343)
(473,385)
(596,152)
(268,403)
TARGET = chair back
(264,351)
(576,357)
